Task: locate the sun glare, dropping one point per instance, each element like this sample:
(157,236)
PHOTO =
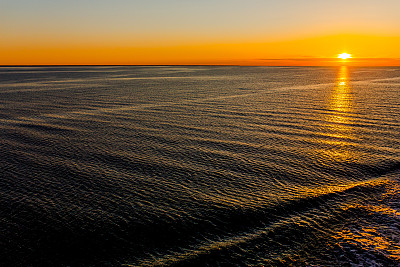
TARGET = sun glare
(344,56)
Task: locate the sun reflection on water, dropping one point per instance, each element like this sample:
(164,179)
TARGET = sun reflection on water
(337,120)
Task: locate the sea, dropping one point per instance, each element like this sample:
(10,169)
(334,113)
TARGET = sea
(199,166)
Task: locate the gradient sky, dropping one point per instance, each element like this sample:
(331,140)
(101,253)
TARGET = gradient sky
(251,32)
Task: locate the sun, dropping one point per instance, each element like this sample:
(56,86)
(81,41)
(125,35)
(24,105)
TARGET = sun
(344,56)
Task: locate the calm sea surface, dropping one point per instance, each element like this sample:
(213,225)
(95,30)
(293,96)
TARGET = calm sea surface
(199,166)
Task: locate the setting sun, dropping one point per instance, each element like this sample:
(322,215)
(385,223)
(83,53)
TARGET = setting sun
(344,56)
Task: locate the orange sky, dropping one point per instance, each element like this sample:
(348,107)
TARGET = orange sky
(316,51)
(286,32)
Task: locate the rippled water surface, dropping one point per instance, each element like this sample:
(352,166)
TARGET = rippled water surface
(199,166)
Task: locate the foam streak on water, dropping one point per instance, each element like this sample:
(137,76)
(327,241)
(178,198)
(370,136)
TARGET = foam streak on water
(199,166)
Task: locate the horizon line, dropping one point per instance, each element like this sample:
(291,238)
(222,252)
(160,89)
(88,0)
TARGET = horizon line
(339,64)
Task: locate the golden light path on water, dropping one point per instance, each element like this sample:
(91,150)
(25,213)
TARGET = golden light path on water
(337,120)
(340,132)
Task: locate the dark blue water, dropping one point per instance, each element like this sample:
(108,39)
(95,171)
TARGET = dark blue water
(199,166)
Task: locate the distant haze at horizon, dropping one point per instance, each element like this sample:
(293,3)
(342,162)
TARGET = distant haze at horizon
(189,32)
